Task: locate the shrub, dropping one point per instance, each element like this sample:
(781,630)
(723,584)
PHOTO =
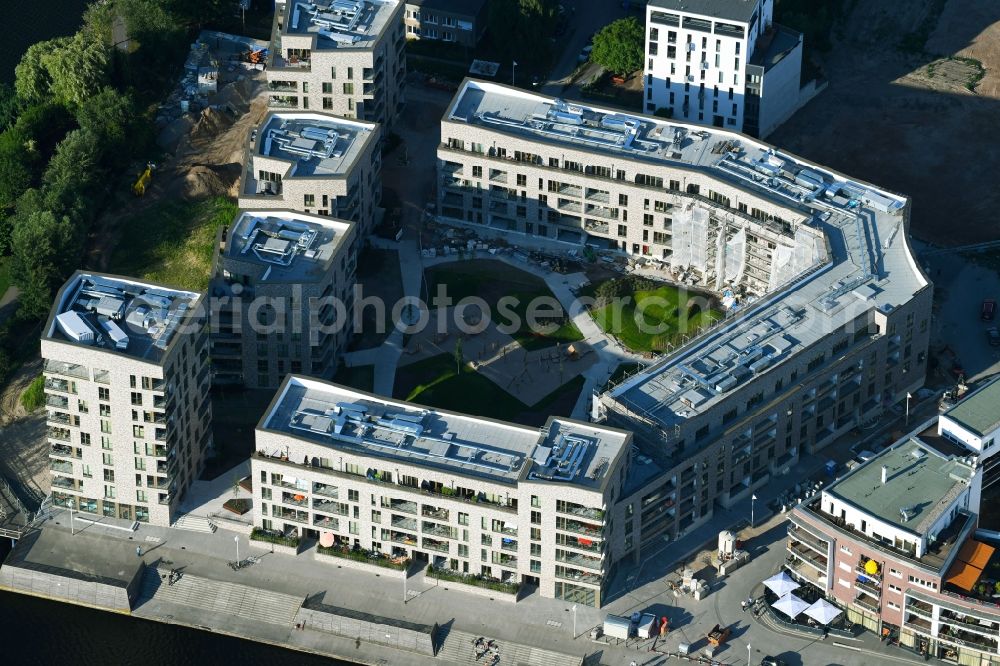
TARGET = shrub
(270,536)
(468,579)
(33,397)
(360,555)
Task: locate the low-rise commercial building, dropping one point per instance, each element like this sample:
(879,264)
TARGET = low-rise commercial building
(281,296)
(459,21)
(314,163)
(127,396)
(465,493)
(894,542)
(345,57)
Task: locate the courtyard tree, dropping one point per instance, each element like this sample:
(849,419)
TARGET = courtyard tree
(620,46)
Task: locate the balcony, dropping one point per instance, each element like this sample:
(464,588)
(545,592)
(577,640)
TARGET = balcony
(576,526)
(61,467)
(283,102)
(577,576)
(57,401)
(967,639)
(920,624)
(508,544)
(58,417)
(435,545)
(102,377)
(867,603)
(166,498)
(505,529)
(326,490)
(402,523)
(292,515)
(868,587)
(861,569)
(571,509)
(336,508)
(920,608)
(969,623)
(293,500)
(158,482)
(283,86)
(400,537)
(576,560)
(580,544)
(60,385)
(439,530)
(64,483)
(400,505)
(807,539)
(433,512)
(64,451)
(505,560)
(326,522)
(59,434)
(67,369)
(808,556)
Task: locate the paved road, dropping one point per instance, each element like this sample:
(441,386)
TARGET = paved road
(588,16)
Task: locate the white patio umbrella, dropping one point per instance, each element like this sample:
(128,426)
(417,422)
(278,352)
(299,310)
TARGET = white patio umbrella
(823,611)
(790,605)
(781,584)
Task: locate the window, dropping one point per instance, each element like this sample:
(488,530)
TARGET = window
(348,88)
(352,496)
(107,459)
(140,464)
(327,88)
(109,492)
(140,496)
(103,393)
(309,200)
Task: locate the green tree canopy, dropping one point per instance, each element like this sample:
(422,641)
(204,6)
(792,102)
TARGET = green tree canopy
(620,46)
(520,29)
(66,69)
(31,76)
(44,249)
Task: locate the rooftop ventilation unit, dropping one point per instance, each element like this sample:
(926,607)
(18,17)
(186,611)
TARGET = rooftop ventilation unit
(75,328)
(907,513)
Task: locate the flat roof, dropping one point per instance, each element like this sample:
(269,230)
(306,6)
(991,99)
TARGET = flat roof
(353,421)
(772,47)
(921,483)
(314,144)
(845,253)
(284,246)
(120,315)
(339,24)
(980,410)
(730,10)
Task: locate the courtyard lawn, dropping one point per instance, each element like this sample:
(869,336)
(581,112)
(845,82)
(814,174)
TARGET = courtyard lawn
(668,313)
(361,377)
(491,280)
(435,383)
(173,242)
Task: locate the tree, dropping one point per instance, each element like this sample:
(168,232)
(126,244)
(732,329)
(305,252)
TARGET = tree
(112,118)
(44,247)
(9,105)
(620,46)
(79,69)
(520,29)
(72,172)
(16,172)
(31,76)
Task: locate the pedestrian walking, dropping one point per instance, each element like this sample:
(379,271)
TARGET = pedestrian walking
(743,605)
(138,551)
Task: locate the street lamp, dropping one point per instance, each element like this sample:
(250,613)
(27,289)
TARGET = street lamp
(748,654)
(237,540)
(513,71)
(71,530)
(753,499)
(574,621)
(908,398)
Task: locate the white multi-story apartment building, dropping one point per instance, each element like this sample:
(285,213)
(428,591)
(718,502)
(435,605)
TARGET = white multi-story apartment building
(127,396)
(341,56)
(465,493)
(277,281)
(832,317)
(314,163)
(722,63)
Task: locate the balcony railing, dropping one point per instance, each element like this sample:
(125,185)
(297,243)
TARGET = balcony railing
(326,522)
(808,539)
(57,401)
(402,523)
(925,609)
(580,560)
(64,483)
(434,544)
(60,385)
(61,466)
(866,603)
(325,490)
(439,530)
(580,528)
(405,539)
(581,544)
(578,576)
(400,505)
(434,512)
(580,511)
(294,500)
(60,434)
(67,369)
(868,587)
(508,544)
(807,555)
(64,451)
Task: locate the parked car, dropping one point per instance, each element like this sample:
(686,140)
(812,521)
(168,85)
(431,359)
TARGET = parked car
(989,309)
(993,335)
(585,53)
(771,661)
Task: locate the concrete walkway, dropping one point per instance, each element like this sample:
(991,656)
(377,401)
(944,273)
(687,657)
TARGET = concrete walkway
(385,357)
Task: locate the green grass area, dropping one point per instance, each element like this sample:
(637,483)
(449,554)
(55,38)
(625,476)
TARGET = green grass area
(666,313)
(173,242)
(33,397)
(434,382)
(361,377)
(492,280)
